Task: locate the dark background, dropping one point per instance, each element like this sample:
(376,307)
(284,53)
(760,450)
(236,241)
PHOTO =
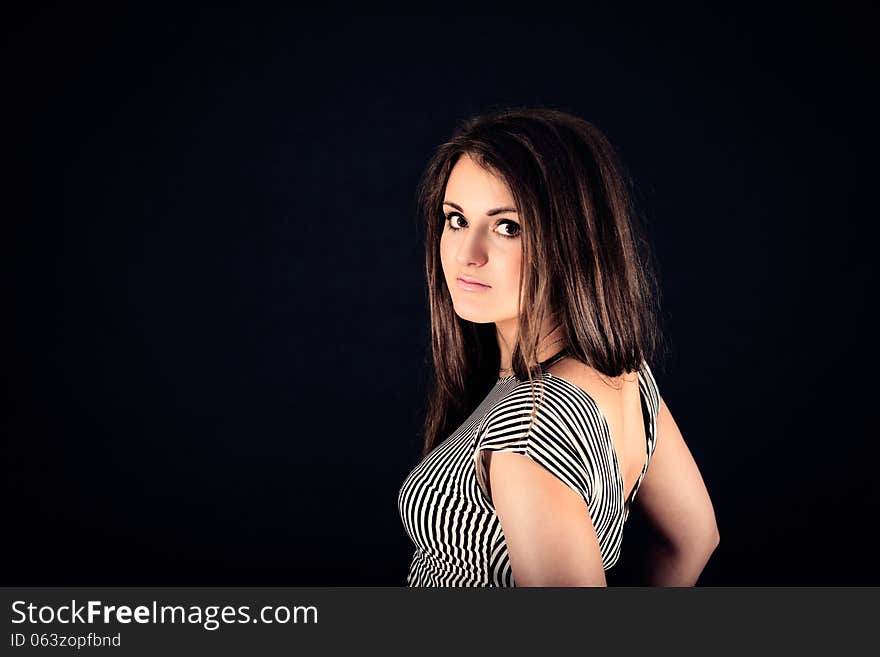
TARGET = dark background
(218,355)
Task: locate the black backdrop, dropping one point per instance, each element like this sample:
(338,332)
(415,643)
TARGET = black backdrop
(219,332)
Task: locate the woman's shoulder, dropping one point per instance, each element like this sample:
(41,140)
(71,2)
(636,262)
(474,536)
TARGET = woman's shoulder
(569,375)
(566,386)
(589,378)
(556,393)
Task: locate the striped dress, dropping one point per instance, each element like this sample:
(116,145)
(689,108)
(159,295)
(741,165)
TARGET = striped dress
(443,502)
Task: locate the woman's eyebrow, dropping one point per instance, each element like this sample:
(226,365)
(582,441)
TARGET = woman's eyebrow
(490,213)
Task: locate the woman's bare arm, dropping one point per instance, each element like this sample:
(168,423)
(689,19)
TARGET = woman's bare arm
(550,537)
(675,500)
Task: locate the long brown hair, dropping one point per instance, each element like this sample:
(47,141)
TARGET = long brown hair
(585,262)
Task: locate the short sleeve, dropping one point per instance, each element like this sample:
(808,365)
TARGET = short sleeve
(560,439)
(650,395)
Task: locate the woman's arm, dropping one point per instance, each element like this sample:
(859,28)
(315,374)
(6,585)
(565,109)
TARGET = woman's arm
(676,503)
(550,537)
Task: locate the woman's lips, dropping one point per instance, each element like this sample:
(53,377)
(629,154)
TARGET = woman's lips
(473,287)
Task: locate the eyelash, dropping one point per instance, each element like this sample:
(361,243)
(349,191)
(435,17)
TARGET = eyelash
(508,221)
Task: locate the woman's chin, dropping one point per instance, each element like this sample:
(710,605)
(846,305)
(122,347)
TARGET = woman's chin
(472,314)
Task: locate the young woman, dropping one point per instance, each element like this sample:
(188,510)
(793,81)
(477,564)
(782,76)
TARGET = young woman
(544,415)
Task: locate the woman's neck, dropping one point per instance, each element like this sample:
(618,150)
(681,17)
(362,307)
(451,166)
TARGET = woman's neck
(550,342)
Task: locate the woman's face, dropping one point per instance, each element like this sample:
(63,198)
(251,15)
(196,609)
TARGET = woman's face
(481,241)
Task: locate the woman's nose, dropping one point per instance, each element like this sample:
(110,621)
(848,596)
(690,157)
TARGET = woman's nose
(471,250)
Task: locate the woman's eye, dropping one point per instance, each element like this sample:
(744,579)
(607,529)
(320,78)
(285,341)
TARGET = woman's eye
(450,217)
(511,228)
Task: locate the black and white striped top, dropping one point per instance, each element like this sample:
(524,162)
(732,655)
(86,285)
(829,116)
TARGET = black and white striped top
(443,502)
